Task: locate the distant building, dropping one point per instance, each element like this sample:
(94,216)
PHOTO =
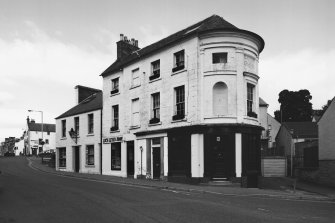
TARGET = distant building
(19,146)
(185,107)
(326,127)
(33,138)
(78,133)
(295,132)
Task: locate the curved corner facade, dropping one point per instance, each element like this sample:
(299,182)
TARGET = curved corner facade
(187,111)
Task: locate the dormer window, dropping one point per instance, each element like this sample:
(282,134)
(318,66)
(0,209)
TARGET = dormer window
(115,86)
(179,61)
(219,58)
(155,68)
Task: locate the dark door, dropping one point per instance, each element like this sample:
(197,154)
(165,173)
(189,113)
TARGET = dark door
(223,157)
(76,159)
(130,158)
(156,162)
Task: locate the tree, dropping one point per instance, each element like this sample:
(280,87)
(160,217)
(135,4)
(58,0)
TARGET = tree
(295,106)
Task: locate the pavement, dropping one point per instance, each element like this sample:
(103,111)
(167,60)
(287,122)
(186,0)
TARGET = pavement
(272,188)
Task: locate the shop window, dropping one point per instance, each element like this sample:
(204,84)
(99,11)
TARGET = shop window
(220,99)
(116,156)
(90,155)
(62,157)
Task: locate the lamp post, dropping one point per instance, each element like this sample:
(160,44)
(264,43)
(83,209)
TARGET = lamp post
(292,144)
(42,124)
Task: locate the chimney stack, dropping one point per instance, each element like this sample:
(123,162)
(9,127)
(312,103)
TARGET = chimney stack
(126,46)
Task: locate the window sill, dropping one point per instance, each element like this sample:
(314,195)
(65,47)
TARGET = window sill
(132,87)
(62,167)
(179,120)
(157,79)
(90,166)
(113,131)
(134,127)
(90,134)
(111,95)
(179,71)
(116,169)
(63,138)
(153,124)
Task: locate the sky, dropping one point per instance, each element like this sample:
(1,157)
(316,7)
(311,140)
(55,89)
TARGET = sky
(49,47)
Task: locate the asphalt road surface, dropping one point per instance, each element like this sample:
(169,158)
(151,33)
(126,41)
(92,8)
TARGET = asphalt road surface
(29,195)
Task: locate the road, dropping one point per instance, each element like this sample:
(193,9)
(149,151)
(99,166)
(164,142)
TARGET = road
(29,195)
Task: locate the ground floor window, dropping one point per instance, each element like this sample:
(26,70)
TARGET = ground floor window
(62,157)
(116,156)
(90,155)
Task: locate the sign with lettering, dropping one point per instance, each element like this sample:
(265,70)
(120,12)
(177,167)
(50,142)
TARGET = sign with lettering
(112,140)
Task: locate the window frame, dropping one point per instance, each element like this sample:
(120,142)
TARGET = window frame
(251,100)
(155,108)
(179,103)
(216,59)
(90,123)
(155,72)
(63,128)
(178,61)
(115,85)
(115,118)
(62,157)
(89,155)
(76,124)
(116,162)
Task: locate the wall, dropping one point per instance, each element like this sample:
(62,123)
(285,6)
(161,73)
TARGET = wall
(274,166)
(326,127)
(34,136)
(83,140)
(275,126)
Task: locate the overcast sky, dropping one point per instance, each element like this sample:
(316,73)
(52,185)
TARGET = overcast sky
(48,47)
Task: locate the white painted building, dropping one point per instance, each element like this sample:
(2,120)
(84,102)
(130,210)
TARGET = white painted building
(78,134)
(185,107)
(34,136)
(19,146)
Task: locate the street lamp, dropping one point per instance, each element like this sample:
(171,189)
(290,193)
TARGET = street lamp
(292,144)
(42,125)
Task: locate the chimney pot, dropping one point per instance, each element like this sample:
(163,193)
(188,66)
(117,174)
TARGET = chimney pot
(121,37)
(136,43)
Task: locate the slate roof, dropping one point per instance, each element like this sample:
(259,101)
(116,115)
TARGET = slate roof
(33,126)
(302,129)
(262,103)
(211,23)
(92,103)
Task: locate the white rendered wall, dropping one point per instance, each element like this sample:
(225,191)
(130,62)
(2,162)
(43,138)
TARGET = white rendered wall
(238,154)
(197,155)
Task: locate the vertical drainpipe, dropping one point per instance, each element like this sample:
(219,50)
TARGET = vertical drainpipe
(101,141)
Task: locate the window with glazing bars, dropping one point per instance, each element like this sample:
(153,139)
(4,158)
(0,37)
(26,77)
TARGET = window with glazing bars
(62,157)
(250,97)
(63,128)
(115,117)
(76,125)
(179,58)
(180,101)
(90,123)
(115,85)
(155,106)
(90,155)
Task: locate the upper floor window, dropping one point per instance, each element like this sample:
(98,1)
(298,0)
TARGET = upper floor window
(90,124)
(90,155)
(155,113)
(48,133)
(135,77)
(135,110)
(63,128)
(155,68)
(179,61)
(179,109)
(115,86)
(76,124)
(250,100)
(115,118)
(46,141)
(220,58)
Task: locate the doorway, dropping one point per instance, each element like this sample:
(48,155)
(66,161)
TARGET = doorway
(156,162)
(130,158)
(76,158)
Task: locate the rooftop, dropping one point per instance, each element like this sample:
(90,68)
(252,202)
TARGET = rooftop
(302,129)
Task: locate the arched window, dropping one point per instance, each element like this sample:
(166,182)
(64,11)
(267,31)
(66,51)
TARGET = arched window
(220,99)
